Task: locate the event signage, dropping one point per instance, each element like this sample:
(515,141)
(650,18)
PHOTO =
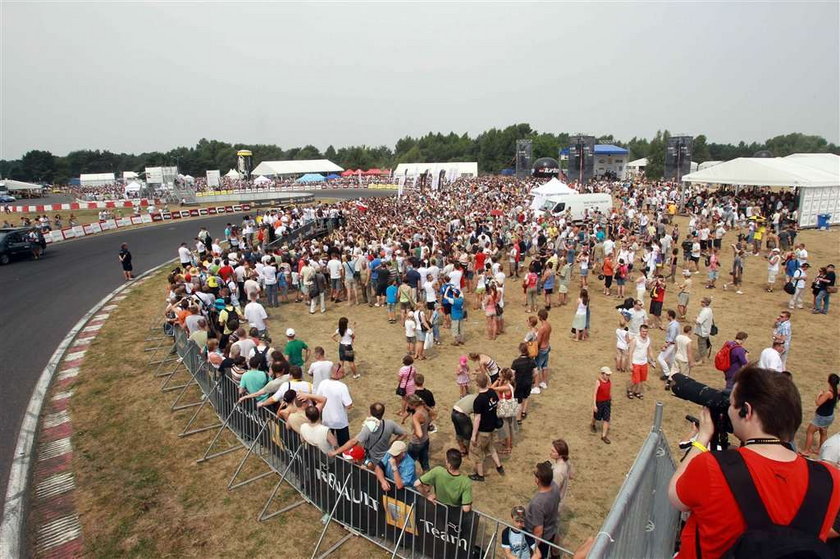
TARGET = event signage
(431,529)
(213,178)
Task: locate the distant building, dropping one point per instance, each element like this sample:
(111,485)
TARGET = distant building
(609,160)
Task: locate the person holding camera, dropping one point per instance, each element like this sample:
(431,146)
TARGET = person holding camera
(782,498)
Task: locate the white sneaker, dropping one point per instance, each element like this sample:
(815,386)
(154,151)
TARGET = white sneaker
(543,385)
(739,292)
(536,390)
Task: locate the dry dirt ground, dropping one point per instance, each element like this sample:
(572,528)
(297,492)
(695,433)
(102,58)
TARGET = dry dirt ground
(142,494)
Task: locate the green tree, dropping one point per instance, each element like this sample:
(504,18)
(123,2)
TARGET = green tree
(656,155)
(700,151)
(330,153)
(38,166)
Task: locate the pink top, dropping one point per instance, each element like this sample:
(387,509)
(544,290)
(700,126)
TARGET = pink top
(407,374)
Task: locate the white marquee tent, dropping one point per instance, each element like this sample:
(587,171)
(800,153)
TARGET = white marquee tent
(301,167)
(553,187)
(262,180)
(232,174)
(19,186)
(816,175)
(96,179)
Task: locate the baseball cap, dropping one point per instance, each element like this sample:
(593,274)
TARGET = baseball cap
(518,513)
(606,370)
(397,447)
(290,332)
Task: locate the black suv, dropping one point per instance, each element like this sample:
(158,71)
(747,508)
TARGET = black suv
(16,242)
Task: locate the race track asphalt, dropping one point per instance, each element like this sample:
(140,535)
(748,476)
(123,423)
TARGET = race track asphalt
(43,299)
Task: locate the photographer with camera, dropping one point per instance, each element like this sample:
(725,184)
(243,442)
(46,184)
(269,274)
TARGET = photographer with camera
(787,504)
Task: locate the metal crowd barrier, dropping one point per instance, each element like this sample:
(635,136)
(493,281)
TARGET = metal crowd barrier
(642,522)
(401,521)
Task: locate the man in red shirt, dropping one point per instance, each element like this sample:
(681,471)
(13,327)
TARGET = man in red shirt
(765,410)
(226,271)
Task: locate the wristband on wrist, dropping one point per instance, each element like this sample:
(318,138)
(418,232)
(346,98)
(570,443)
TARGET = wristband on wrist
(699,446)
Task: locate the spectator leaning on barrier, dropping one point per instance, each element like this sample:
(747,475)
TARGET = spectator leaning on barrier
(765,410)
(516,543)
(375,436)
(446,485)
(337,406)
(396,465)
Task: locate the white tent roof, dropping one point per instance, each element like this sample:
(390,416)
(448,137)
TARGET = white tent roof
(261,180)
(12,185)
(232,174)
(127,175)
(827,162)
(96,177)
(469,168)
(638,163)
(553,187)
(757,171)
(300,167)
(707,164)
(133,186)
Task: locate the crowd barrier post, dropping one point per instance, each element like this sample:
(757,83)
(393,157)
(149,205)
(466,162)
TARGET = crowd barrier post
(408,517)
(207,456)
(156,330)
(194,382)
(262,516)
(330,517)
(185,432)
(182,364)
(256,441)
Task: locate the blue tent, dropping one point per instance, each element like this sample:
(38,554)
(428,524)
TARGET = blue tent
(311,177)
(332,176)
(508,172)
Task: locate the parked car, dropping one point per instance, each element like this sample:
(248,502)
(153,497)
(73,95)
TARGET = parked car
(7,198)
(18,242)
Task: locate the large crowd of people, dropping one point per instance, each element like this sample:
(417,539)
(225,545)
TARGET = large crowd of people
(428,258)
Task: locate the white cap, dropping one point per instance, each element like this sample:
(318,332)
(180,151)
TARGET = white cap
(290,332)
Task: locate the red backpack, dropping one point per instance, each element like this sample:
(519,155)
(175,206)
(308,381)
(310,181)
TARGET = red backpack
(723,357)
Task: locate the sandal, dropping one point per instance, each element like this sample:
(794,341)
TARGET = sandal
(640,396)
(630,395)
(524,415)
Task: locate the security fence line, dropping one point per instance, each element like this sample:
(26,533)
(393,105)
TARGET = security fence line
(642,522)
(401,521)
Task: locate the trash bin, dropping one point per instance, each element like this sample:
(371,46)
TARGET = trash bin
(823,221)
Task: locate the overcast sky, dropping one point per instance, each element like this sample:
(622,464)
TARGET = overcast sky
(151,76)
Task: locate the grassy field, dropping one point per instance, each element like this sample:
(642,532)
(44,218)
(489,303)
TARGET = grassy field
(142,494)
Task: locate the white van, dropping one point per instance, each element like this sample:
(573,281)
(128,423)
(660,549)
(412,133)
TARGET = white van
(577,204)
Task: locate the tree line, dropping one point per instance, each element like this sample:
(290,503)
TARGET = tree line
(493,149)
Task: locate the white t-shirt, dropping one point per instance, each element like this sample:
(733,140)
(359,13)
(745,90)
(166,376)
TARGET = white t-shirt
(299,386)
(770,359)
(347,338)
(640,351)
(621,338)
(410,327)
(184,254)
(256,315)
(245,347)
(637,318)
(270,275)
(681,353)
(455,278)
(334,267)
(320,371)
(316,435)
(334,414)
(429,289)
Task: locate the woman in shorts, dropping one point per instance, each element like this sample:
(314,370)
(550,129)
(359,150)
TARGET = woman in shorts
(824,416)
(491,299)
(548,279)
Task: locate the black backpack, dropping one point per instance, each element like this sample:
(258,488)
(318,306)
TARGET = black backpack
(763,538)
(263,366)
(232,321)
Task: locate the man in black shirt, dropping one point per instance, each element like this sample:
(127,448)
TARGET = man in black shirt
(524,369)
(485,423)
(828,280)
(428,398)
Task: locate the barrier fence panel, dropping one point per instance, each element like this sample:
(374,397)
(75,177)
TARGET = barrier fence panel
(642,523)
(401,521)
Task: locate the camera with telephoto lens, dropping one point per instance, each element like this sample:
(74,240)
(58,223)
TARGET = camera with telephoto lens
(717,401)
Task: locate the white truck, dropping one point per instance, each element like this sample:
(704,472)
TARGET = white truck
(577,204)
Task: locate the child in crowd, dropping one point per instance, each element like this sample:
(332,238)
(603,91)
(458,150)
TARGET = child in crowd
(437,317)
(462,376)
(622,342)
(410,334)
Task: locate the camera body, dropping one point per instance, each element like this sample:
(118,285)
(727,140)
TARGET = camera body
(717,401)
